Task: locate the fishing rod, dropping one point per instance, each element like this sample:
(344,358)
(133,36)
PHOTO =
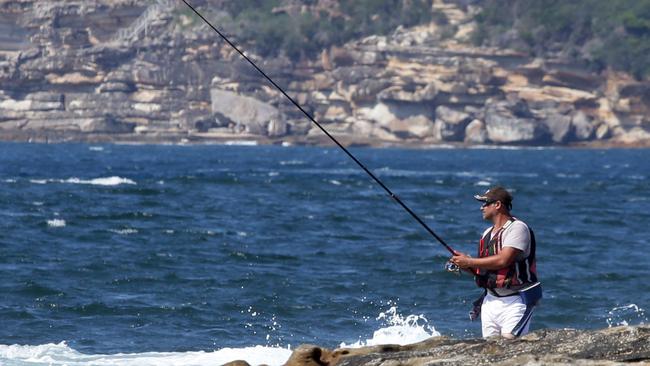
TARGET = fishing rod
(390,193)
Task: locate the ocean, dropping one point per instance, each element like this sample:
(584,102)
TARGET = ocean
(200,255)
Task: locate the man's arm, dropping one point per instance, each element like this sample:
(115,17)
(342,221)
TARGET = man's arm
(506,257)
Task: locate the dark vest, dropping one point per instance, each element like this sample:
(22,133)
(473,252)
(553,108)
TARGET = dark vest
(517,274)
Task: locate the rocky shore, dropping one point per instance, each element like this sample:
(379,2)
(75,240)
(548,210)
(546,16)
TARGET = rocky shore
(611,346)
(127,71)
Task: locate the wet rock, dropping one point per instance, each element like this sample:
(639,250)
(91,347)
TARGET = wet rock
(544,347)
(308,355)
(237,363)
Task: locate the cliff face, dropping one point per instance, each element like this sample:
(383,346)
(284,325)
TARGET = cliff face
(119,70)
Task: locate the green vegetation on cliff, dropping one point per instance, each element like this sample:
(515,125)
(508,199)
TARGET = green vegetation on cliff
(304,29)
(599,33)
(602,33)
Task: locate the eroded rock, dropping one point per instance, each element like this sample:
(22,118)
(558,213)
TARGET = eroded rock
(630,345)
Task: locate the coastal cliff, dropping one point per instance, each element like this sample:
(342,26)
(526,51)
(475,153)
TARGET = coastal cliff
(152,72)
(610,346)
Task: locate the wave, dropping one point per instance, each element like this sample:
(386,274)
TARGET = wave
(126,231)
(626,315)
(396,329)
(241,143)
(56,223)
(61,354)
(103,181)
(292,162)
(510,147)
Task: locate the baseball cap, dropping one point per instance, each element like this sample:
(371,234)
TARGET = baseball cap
(496,194)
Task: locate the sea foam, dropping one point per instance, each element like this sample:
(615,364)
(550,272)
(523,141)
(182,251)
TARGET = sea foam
(398,330)
(61,354)
(102,181)
(108,181)
(56,223)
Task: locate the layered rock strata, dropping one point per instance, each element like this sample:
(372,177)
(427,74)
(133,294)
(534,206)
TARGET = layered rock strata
(128,71)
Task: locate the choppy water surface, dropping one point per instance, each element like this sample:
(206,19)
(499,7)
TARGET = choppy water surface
(203,254)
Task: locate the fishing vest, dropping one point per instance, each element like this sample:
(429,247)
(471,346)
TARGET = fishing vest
(518,273)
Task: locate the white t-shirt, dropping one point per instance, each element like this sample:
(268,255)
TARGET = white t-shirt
(515,235)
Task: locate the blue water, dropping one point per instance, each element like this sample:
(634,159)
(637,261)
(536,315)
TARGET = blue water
(131,249)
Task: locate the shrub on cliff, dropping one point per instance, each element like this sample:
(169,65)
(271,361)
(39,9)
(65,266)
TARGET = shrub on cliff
(304,28)
(602,33)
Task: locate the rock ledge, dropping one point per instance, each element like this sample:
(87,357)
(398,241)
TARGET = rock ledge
(609,346)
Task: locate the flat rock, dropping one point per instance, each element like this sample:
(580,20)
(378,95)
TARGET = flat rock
(608,346)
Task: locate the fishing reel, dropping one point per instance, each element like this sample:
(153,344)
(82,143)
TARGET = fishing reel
(452,267)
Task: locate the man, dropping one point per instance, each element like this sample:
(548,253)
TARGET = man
(505,268)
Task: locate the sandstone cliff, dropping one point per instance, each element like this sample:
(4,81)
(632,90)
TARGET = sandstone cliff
(99,70)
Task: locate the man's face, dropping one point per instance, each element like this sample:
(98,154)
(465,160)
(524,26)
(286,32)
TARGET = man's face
(489,209)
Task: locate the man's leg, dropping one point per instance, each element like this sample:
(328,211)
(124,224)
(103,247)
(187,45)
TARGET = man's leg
(515,318)
(489,309)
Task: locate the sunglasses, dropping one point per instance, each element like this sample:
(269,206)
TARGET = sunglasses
(487,203)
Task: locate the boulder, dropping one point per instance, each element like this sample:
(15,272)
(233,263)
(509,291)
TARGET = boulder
(277,128)
(53,97)
(507,124)
(236,363)
(77,38)
(115,86)
(362,127)
(308,355)
(583,127)
(450,124)
(253,115)
(146,73)
(406,120)
(475,132)
(418,126)
(409,93)
(107,124)
(367,90)
(603,131)
(355,74)
(572,79)
(635,135)
(15,105)
(559,126)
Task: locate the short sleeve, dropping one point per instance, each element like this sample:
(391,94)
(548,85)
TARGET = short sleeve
(517,236)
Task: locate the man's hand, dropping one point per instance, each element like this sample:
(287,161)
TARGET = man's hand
(505,258)
(461,260)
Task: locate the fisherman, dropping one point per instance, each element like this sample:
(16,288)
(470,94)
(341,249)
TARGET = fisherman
(505,268)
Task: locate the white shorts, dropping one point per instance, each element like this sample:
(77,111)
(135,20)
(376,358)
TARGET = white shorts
(505,315)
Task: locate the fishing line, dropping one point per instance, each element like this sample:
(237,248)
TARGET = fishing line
(390,193)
